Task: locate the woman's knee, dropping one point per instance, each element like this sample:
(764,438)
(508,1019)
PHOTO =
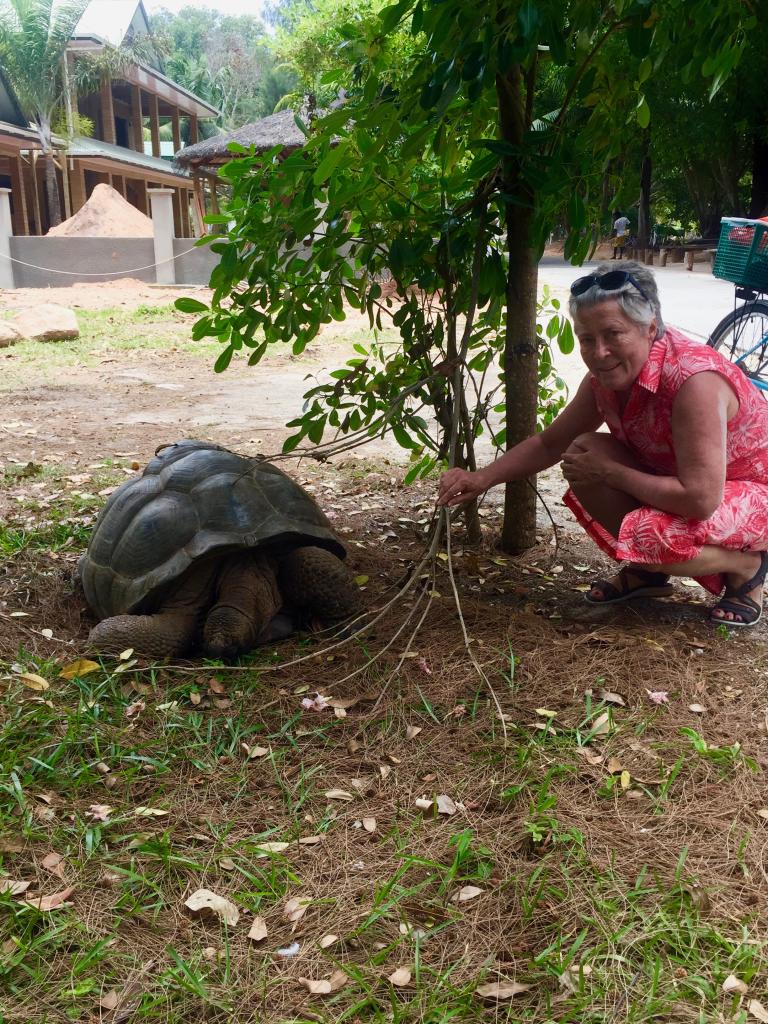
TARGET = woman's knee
(605,444)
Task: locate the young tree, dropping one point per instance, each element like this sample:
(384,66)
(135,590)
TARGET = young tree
(34,35)
(448,172)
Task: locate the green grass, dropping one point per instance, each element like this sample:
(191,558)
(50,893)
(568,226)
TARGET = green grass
(594,941)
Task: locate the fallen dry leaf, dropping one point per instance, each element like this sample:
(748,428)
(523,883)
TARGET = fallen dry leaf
(328,940)
(423,803)
(258,930)
(325,986)
(149,812)
(338,794)
(207,903)
(445,805)
(763,813)
(216,687)
(601,726)
(79,668)
(13,887)
(310,840)
(271,847)
(400,977)
(697,709)
(412,732)
(757,1010)
(32,681)
(733,984)
(466,893)
(608,697)
(296,908)
(500,991)
(369,824)
(252,752)
(99,812)
(52,902)
(54,863)
(110,1001)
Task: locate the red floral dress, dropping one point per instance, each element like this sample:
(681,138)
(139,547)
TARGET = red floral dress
(648,535)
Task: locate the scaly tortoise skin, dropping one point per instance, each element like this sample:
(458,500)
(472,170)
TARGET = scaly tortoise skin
(206,540)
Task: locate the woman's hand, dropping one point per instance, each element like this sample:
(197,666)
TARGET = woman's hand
(583,467)
(458,486)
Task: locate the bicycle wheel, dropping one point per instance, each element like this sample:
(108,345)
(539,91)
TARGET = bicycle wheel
(742,337)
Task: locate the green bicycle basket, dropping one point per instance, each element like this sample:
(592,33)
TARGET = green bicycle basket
(742,253)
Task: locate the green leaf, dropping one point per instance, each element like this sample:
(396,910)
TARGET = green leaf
(643,113)
(329,163)
(528,16)
(225,358)
(186,304)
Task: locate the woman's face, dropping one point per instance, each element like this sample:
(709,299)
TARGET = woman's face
(613,347)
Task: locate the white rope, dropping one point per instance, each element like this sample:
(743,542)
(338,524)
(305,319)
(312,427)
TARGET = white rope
(104,273)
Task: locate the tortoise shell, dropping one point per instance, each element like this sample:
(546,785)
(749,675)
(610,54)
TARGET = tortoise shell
(193,499)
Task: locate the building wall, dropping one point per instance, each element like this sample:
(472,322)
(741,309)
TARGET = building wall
(81,258)
(101,259)
(194,267)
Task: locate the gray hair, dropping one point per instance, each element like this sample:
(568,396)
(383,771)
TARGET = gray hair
(628,297)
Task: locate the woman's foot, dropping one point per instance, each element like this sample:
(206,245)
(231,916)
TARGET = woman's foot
(742,603)
(628,584)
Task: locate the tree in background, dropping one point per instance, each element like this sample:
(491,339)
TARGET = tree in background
(450,172)
(34,35)
(225,60)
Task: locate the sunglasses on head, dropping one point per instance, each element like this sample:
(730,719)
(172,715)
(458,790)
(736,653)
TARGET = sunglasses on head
(609,282)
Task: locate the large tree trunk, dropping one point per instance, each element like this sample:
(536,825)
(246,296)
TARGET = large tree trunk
(758,204)
(52,190)
(520,342)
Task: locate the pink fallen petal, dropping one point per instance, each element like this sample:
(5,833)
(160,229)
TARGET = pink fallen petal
(135,709)
(658,696)
(422,663)
(317,703)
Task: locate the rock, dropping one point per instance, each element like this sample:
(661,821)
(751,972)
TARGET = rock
(47,322)
(8,334)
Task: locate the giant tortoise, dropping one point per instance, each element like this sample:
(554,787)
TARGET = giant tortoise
(209,549)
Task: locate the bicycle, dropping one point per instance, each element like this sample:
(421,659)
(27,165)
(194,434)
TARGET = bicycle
(742,257)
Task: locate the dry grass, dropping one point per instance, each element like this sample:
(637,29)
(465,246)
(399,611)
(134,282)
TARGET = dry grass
(623,875)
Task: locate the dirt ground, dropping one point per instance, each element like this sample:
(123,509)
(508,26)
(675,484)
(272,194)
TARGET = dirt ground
(613,840)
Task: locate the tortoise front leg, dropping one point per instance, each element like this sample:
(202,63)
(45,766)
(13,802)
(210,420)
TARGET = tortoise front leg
(247,600)
(173,630)
(164,635)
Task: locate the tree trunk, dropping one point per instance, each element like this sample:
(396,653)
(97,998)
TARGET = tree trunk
(520,342)
(52,190)
(644,208)
(758,203)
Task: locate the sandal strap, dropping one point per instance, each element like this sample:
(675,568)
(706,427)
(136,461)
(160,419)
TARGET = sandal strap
(645,578)
(757,580)
(749,611)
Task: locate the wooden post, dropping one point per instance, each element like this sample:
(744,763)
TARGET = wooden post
(137,120)
(663,257)
(214,197)
(143,199)
(194,135)
(108,133)
(154,123)
(176,128)
(77,179)
(186,228)
(19,195)
(176,199)
(198,206)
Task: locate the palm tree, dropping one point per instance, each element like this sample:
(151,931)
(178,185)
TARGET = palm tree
(34,35)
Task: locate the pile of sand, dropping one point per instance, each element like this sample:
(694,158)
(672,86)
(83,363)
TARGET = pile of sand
(106,215)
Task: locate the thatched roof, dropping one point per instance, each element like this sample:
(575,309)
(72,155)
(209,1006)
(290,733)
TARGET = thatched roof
(276,130)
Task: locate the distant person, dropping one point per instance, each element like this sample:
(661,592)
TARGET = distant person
(679,487)
(620,234)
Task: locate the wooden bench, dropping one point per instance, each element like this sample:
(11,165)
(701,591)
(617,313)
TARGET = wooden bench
(687,253)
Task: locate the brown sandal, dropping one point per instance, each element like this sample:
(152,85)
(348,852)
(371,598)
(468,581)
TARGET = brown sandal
(652,584)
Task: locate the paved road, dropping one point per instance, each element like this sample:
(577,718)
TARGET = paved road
(692,301)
